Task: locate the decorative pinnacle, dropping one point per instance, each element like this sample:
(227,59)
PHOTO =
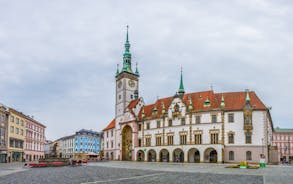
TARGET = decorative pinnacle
(222,101)
(247,99)
(127,33)
(181,87)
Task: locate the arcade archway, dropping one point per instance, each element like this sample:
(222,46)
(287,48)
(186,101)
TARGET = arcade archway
(151,155)
(140,155)
(193,155)
(211,155)
(164,155)
(178,155)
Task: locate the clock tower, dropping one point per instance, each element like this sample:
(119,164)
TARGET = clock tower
(126,81)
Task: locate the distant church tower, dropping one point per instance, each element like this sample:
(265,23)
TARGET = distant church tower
(126,81)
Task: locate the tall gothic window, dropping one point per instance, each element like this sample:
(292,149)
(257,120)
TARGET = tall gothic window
(214,138)
(231,117)
(158,124)
(248,137)
(183,139)
(139,142)
(170,122)
(231,138)
(170,139)
(197,139)
(247,119)
(214,118)
(158,141)
(197,120)
(148,126)
(182,121)
(148,141)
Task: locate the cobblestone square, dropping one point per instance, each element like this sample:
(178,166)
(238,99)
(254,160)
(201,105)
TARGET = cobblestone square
(135,172)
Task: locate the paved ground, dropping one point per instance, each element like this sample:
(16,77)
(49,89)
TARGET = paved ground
(135,172)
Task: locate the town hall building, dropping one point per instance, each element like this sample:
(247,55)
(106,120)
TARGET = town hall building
(203,126)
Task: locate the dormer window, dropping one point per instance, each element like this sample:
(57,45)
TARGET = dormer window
(155,110)
(207,103)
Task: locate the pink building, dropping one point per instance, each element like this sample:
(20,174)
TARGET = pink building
(283,139)
(34,140)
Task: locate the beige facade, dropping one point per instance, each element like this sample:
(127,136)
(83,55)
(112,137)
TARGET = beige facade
(16,136)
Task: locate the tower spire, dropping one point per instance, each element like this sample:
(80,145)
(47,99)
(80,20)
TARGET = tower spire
(127,55)
(181,87)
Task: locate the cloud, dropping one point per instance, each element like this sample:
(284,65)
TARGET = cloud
(58,58)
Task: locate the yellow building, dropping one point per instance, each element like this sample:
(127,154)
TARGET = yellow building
(16,136)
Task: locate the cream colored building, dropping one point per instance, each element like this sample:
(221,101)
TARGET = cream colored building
(188,127)
(16,136)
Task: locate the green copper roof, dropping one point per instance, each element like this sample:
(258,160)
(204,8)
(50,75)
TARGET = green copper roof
(247,99)
(283,130)
(181,87)
(222,101)
(127,56)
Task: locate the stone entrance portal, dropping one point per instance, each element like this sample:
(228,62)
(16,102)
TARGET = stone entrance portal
(127,143)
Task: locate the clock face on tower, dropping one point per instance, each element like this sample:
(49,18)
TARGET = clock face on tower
(131,83)
(119,84)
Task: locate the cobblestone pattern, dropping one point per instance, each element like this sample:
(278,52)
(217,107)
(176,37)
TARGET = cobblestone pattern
(90,174)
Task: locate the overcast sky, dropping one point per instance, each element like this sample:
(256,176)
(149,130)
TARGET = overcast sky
(58,58)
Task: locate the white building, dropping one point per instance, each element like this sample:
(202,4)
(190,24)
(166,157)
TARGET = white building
(67,146)
(194,127)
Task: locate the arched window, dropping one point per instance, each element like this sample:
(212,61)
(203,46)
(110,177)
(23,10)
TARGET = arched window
(231,155)
(248,155)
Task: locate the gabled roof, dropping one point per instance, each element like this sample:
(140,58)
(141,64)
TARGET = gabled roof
(110,125)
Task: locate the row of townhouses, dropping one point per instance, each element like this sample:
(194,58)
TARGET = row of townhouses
(22,137)
(85,144)
(188,127)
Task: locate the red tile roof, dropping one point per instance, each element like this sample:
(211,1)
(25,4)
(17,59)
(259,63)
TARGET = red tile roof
(233,101)
(236,100)
(133,103)
(110,125)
